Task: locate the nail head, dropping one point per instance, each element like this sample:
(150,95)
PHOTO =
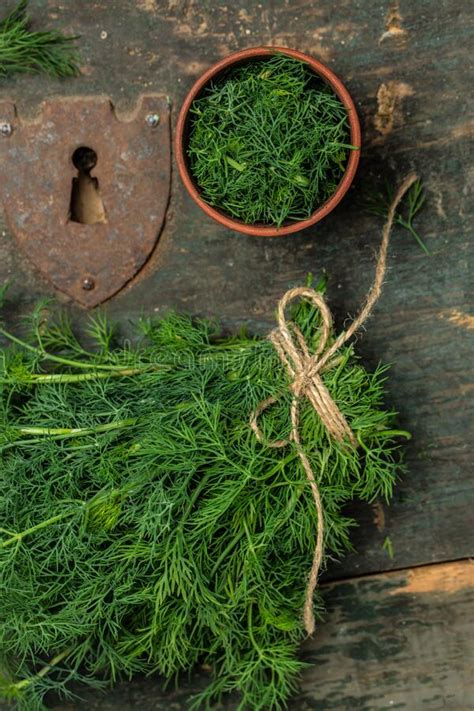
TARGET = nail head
(6,129)
(88,284)
(153,120)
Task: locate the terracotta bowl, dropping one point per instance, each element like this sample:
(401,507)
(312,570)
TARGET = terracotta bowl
(182,132)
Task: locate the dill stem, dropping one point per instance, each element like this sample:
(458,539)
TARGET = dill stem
(251,635)
(57,359)
(45,670)
(56,660)
(414,233)
(18,537)
(38,378)
(396,433)
(226,552)
(59,432)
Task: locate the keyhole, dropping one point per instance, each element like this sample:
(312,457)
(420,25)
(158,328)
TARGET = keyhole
(86,207)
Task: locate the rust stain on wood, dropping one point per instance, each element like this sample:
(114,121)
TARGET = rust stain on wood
(379,516)
(436,188)
(244,16)
(393,26)
(389,98)
(316,49)
(147,5)
(458,133)
(441,578)
(464,130)
(459,318)
(194,68)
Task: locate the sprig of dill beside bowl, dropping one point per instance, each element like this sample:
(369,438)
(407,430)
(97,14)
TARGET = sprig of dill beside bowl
(23,50)
(268,141)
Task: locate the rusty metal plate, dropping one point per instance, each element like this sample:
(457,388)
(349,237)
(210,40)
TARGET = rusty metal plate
(87,249)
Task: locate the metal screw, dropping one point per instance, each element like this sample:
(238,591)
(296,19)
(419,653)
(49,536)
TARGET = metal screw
(153,120)
(6,129)
(88,284)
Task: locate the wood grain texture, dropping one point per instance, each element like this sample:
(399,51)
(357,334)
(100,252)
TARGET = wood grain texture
(404,64)
(400,640)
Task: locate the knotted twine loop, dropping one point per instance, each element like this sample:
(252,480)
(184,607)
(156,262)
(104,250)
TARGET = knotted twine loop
(305,368)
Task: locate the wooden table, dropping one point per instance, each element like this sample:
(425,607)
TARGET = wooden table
(399,631)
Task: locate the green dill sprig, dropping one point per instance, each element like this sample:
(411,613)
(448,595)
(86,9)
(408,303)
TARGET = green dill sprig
(143,526)
(387,546)
(378,203)
(268,142)
(23,50)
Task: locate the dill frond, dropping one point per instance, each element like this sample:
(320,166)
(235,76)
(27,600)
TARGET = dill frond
(378,203)
(23,50)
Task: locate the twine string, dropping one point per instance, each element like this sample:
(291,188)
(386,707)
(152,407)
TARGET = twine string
(305,372)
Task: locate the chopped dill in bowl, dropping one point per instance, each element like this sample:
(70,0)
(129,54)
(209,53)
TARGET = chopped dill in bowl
(268,141)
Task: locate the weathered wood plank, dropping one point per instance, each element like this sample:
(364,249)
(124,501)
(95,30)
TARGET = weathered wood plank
(404,67)
(399,640)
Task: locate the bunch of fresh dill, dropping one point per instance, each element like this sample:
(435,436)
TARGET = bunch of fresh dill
(23,50)
(143,526)
(268,141)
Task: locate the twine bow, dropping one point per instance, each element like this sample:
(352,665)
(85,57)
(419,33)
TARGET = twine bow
(305,369)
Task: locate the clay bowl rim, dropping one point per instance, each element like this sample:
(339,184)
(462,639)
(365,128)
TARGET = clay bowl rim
(355,140)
